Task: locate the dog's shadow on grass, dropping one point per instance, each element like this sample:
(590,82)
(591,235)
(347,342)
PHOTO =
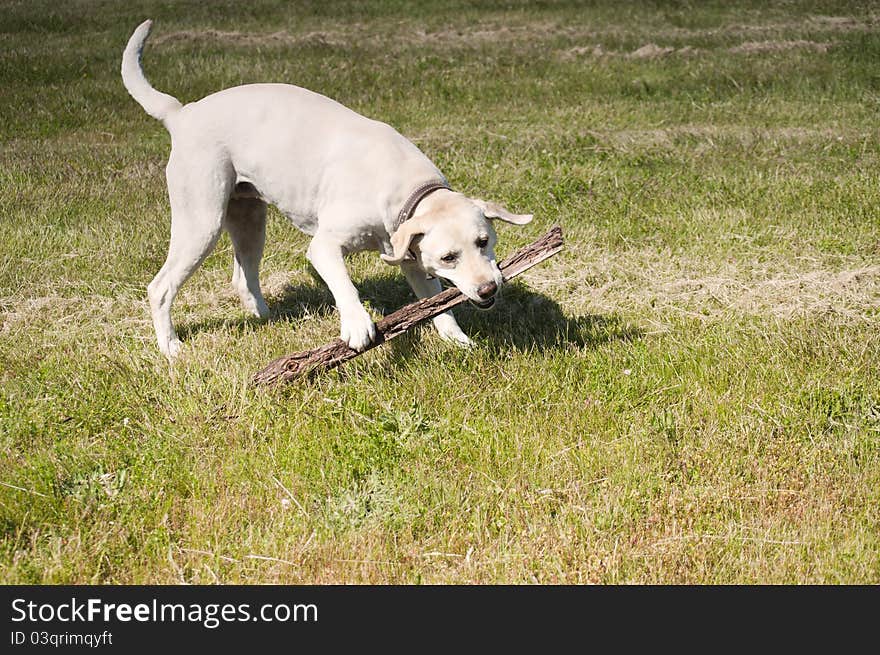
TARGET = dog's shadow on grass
(522,319)
(525,320)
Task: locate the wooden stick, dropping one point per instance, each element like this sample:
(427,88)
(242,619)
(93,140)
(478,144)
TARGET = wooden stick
(333,354)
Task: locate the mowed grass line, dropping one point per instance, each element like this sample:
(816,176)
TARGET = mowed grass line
(687,394)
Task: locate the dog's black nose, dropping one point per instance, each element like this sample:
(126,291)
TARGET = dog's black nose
(487,290)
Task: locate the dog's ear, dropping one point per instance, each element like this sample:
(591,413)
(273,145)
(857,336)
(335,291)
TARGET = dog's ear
(402,239)
(494,210)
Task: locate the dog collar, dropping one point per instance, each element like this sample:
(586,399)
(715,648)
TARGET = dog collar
(416,197)
(409,207)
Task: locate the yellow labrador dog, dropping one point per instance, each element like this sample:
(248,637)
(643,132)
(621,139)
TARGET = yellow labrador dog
(349,182)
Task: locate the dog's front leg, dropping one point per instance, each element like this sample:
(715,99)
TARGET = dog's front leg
(356,326)
(424,288)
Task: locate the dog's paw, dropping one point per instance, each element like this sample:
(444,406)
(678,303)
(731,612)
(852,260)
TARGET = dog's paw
(460,339)
(257,307)
(171,348)
(357,329)
(449,331)
(253,303)
(262,310)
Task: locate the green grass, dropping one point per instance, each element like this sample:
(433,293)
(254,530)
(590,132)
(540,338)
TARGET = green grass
(687,394)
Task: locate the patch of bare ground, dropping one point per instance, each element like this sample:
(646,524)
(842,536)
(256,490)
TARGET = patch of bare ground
(848,292)
(276,283)
(651,51)
(674,285)
(654,51)
(755,47)
(701,136)
(491,32)
(250,38)
(745,135)
(75,311)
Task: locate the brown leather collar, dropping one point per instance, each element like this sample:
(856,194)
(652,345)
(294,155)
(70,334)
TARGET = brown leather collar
(413,201)
(416,197)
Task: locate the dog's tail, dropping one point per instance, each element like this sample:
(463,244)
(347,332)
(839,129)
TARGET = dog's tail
(155,103)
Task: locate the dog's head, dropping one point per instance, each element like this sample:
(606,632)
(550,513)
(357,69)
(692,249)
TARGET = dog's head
(455,240)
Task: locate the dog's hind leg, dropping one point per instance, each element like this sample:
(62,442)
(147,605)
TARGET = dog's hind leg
(246,224)
(198,196)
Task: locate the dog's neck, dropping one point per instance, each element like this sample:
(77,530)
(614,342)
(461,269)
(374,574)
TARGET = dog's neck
(416,198)
(439,200)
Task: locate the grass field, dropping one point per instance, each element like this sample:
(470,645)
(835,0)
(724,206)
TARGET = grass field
(687,394)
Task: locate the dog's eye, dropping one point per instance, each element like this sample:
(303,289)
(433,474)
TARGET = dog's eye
(482,242)
(449,257)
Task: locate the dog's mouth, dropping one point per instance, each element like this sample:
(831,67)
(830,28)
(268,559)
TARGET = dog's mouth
(479,304)
(483,304)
